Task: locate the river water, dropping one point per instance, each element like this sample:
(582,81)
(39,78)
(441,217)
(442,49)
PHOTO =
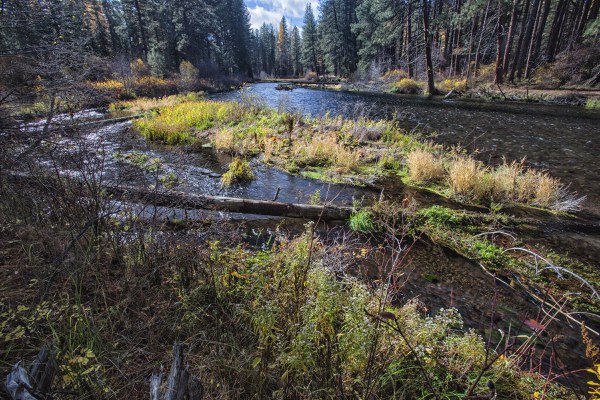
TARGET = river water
(564,141)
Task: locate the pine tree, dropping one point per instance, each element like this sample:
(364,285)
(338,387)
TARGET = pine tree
(296,51)
(337,40)
(310,41)
(283,49)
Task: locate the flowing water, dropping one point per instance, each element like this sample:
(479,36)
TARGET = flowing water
(562,140)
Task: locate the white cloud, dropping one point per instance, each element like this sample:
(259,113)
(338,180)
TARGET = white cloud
(260,15)
(271,11)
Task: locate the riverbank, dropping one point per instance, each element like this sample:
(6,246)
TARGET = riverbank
(358,151)
(586,97)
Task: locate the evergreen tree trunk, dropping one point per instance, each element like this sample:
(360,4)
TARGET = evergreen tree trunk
(499,75)
(511,33)
(485,15)
(409,41)
(537,42)
(470,48)
(557,25)
(531,20)
(138,11)
(428,37)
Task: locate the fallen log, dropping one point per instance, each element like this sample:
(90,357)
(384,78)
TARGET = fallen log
(230,204)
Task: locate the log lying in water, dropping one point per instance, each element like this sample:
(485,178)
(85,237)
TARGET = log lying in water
(230,204)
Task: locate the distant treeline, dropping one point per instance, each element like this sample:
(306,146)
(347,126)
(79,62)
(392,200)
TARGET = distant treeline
(348,38)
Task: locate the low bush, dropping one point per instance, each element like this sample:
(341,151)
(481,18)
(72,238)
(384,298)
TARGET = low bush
(151,86)
(111,88)
(407,86)
(447,85)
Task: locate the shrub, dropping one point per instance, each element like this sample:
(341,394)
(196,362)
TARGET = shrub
(424,166)
(112,88)
(407,86)
(151,86)
(139,68)
(239,171)
(188,76)
(448,84)
(394,75)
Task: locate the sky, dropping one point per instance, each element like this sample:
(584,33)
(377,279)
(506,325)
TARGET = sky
(271,11)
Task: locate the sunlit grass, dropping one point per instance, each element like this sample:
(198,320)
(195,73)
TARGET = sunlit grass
(342,148)
(423,166)
(239,171)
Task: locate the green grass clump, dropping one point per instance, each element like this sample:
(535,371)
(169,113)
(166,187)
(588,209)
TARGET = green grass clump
(593,103)
(441,216)
(239,171)
(362,221)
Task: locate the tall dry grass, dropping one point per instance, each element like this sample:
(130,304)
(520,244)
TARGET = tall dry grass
(462,175)
(423,166)
(324,150)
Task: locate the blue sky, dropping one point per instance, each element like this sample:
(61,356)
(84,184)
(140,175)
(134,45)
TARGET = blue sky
(272,11)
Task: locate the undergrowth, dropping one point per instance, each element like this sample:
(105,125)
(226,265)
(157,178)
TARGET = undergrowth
(280,322)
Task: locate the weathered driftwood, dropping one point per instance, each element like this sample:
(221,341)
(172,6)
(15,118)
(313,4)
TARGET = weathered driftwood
(191,201)
(230,204)
(113,120)
(35,384)
(180,383)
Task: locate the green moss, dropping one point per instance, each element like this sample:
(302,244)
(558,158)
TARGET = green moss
(442,216)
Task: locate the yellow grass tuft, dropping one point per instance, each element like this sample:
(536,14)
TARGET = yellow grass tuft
(224,140)
(324,150)
(423,166)
(548,190)
(463,177)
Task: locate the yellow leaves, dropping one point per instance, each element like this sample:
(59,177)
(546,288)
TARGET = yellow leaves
(594,386)
(83,359)
(15,334)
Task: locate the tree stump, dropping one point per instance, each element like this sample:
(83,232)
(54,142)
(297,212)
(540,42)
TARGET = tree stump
(180,384)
